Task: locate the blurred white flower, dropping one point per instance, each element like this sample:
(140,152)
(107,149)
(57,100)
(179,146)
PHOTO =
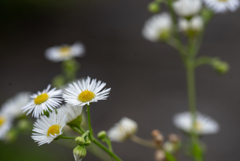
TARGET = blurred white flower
(72,112)
(64,52)
(169,147)
(221,6)
(187,8)
(85,92)
(204,124)
(5,124)
(46,129)
(13,106)
(194,24)
(157,27)
(43,101)
(123,130)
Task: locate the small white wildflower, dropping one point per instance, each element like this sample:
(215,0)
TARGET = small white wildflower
(64,52)
(221,6)
(46,129)
(43,101)
(204,124)
(84,92)
(13,106)
(187,8)
(158,27)
(123,130)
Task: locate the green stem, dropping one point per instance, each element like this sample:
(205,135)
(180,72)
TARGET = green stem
(143,142)
(109,144)
(191,90)
(66,137)
(77,130)
(89,123)
(196,150)
(106,150)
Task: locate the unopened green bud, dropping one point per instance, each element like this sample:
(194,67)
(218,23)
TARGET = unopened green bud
(206,14)
(102,135)
(58,81)
(87,142)
(11,135)
(154,7)
(79,152)
(164,35)
(221,67)
(23,125)
(80,140)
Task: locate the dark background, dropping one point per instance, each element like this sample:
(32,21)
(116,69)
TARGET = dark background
(147,79)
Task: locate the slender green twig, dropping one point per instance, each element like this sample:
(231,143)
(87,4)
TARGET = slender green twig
(66,137)
(143,142)
(107,150)
(89,123)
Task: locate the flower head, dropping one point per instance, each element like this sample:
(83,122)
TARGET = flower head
(13,106)
(123,130)
(46,129)
(221,6)
(5,124)
(187,8)
(204,124)
(157,27)
(192,26)
(85,92)
(64,52)
(72,112)
(43,101)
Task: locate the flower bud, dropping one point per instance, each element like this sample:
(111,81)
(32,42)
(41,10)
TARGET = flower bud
(79,152)
(173,138)
(87,142)
(102,135)
(23,125)
(220,67)
(158,137)
(153,7)
(155,133)
(159,155)
(80,140)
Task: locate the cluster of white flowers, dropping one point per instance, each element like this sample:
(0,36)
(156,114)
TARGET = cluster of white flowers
(78,94)
(159,26)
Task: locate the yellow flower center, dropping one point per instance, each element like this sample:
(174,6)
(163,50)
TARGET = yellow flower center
(65,51)
(2,120)
(198,126)
(54,129)
(86,96)
(41,98)
(222,0)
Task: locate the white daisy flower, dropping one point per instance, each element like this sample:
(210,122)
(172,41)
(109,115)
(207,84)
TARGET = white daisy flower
(204,124)
(43,101)
(195,24)
(221,6)
(46,129)
(123,130)
(84,92)
(13,106)
(187,8)
(5,124)
(158,27)
(64,52)
(72,112)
